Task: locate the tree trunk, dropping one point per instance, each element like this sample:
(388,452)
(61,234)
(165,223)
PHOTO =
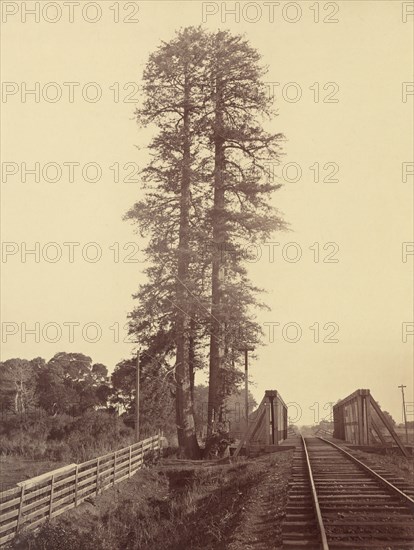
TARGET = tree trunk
(187,438)
(217,335)
(192,356)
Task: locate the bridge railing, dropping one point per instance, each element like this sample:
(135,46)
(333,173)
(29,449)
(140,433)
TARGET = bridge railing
(38,499)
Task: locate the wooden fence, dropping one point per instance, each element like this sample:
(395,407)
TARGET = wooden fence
(40,498)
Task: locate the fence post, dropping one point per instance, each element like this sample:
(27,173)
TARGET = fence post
(130,460)
(76,484)
(52,489)
(114,467)
(19,517)
(97,475)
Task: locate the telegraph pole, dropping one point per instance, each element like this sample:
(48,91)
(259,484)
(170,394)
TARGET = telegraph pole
(137,399)
(404,411)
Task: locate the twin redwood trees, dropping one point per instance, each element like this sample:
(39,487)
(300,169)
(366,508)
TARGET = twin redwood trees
(205,198)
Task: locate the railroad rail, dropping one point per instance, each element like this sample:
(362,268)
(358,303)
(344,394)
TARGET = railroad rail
(336,501)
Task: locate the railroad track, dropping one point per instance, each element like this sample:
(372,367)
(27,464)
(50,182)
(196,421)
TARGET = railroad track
(335,502)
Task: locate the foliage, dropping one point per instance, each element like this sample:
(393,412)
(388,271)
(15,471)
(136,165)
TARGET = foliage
(156,400)
(18,384)
(233,411)
(67,406)
(69,382)
(95,433)
(204,95)
(389,418)
(55,536)
(63,437)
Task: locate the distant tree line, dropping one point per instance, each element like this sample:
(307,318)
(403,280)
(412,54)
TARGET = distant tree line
(71,384)
(67,383)
(70,408)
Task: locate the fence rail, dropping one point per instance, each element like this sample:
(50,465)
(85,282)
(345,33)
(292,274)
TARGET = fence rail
(40,498)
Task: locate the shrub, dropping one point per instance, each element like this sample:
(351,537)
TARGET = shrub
(62,437)
(95,433)
(59,426)
(58,451)
(33,423)
(55,536)
(23,444)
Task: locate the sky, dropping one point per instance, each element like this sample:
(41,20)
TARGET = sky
(340,75)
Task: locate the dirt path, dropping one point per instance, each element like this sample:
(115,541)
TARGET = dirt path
(262,514)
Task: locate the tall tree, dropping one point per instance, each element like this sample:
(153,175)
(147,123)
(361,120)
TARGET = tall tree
(172,86)
(203,92)
(241,201)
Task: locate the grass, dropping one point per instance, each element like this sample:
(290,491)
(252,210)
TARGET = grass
(169,507)
(33,445)
(394,463)
(16,468)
